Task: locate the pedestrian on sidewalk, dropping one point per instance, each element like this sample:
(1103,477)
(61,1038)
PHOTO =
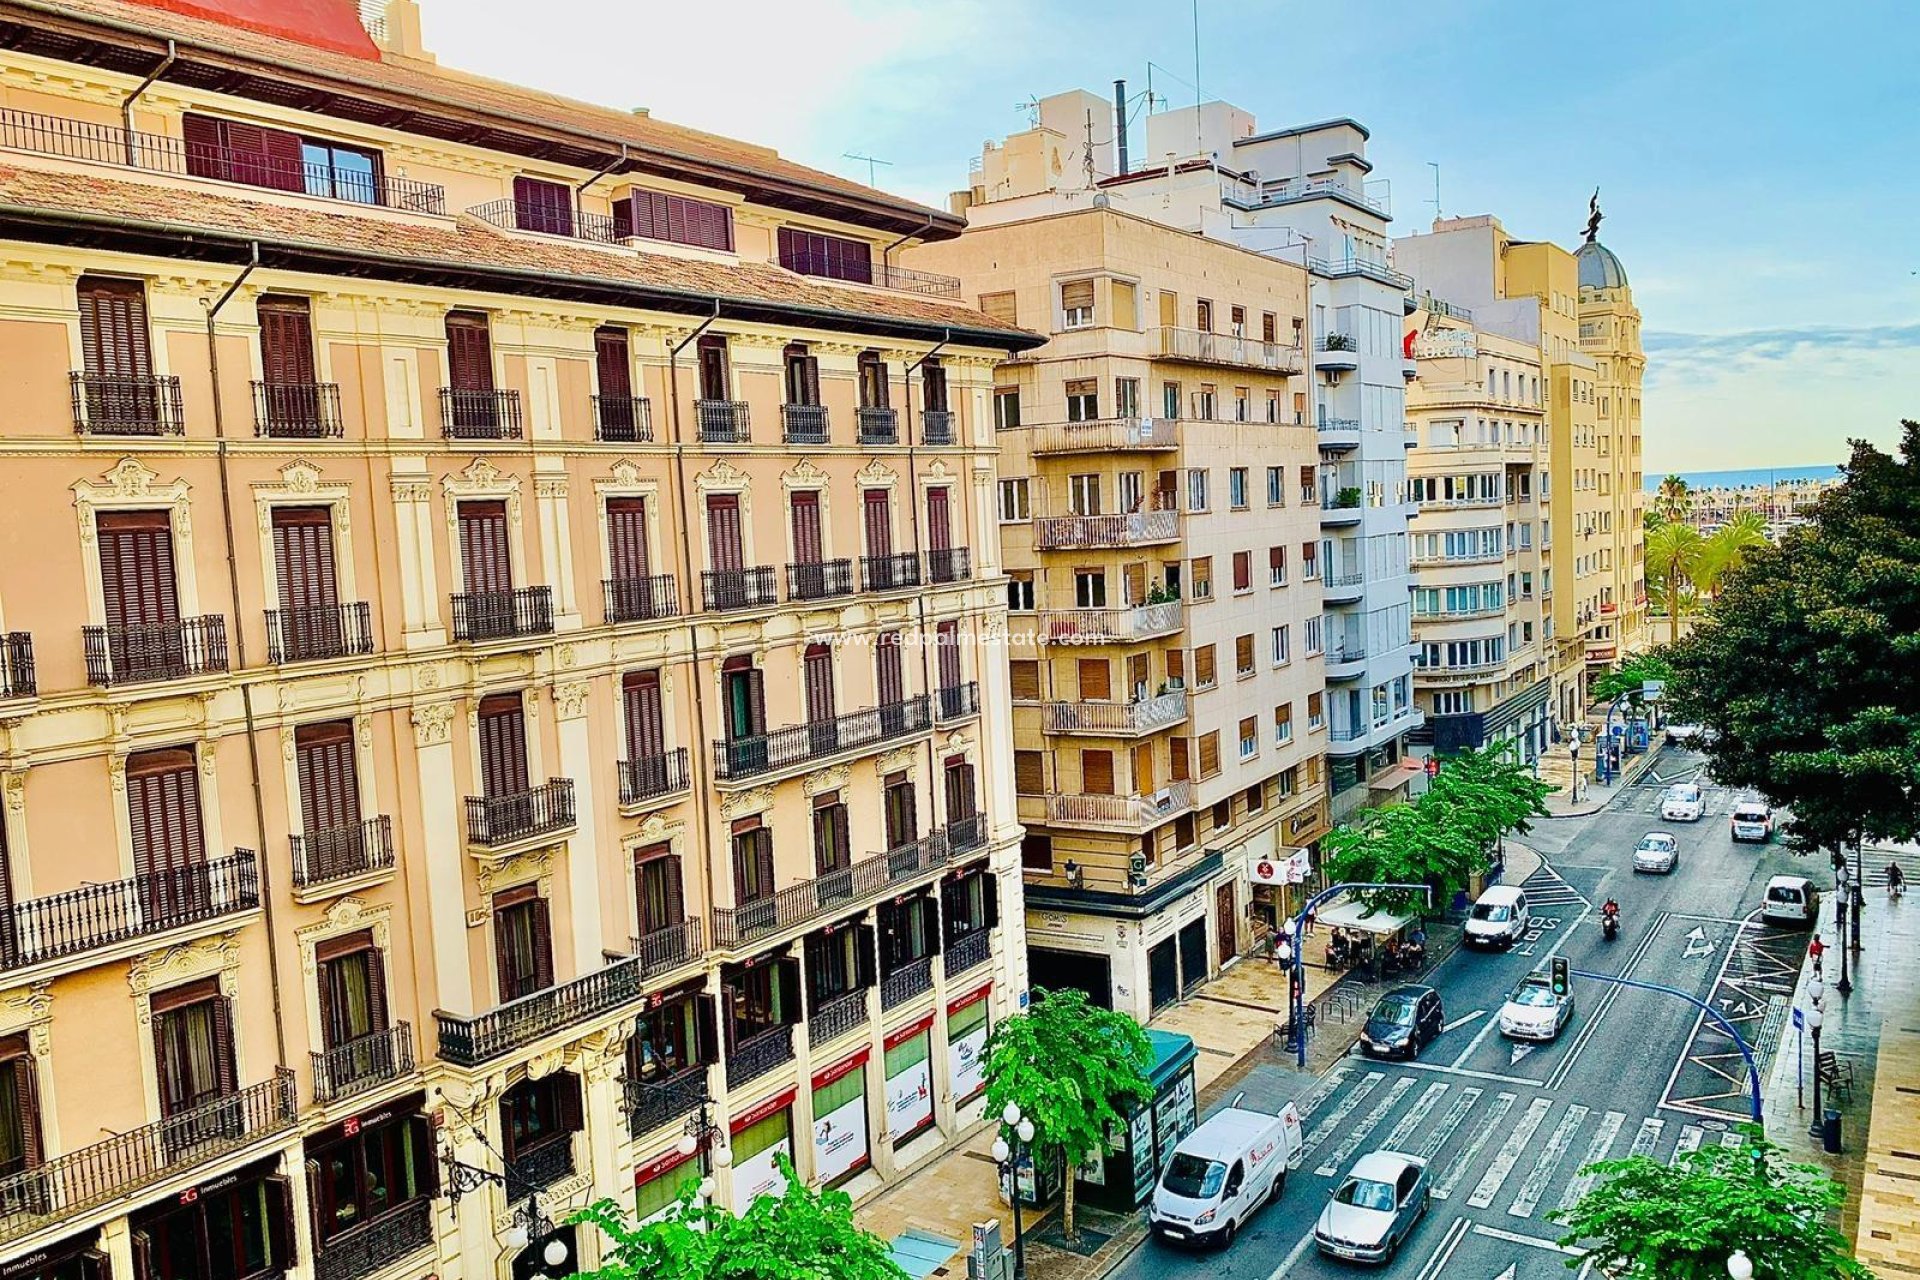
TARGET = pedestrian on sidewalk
(1814,949)
(1896,881)
(1308,920)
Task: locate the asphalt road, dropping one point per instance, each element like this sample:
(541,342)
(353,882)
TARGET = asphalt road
(1506,1127)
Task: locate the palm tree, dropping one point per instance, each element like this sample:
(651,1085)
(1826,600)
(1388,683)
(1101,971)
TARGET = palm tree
(1674,499)
(1673,551)
(1726,551)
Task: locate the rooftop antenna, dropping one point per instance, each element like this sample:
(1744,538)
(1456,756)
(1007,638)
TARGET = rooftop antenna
(1434,165)
(872,162)
(1032,107)
(1086,158)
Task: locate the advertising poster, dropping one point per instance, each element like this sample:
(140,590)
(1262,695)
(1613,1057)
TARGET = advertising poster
(755,1149)
(840,1124)
(909,1087)
(967,1051)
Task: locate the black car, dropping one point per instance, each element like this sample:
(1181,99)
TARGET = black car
(1406,1018)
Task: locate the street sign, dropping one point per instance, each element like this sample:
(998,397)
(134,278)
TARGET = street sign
(1799,1020)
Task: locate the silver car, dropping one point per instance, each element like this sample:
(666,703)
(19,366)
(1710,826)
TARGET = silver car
(1657,851)
(1372,1211)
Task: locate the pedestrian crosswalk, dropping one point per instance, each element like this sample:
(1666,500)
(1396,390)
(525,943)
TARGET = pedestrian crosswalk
(1548,888)
(1496,1150)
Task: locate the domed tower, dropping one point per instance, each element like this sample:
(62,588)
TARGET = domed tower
(1610,334)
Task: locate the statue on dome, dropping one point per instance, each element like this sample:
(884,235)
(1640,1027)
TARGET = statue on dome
(1594,216)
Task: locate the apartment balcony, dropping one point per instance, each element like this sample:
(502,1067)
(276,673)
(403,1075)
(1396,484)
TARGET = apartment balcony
(1288,190)
(297,410)
(725,590)
(67,1186)
(936,427)
(655,1104)
(146,405)
(911,979)
(838,892)
(1460,615)
(540,219)
(1118,719)
(1455,672)
(334,854)
(17,676)
(841,1015)
(895,572)
(960,702)
(796,746)
(640,599)
(968,952)
(1608,607)
(479,415)
(470,1041)
(651,779)
(722,421)
(878,425)
(497,823)
(361,1064)
(1334,268)
(96,916)
(156,650)
(622,420)
(1344,587)
(1339,434)
(547,1162)
(1223,350)
(1470,502)
(1336,353)
(803,423)
(949,564)
(1108,435)
(1340,508)
(966,834)
(1130,815)
(1111,626)
(758,1054)
(820,580)
(664,950)
(1444,561)
(376,1244)
(71,139)
(883,275)
(503,615)
(1346,661)
(319,633)
(1136,529)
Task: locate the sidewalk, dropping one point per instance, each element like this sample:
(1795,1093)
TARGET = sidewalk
(1557,768)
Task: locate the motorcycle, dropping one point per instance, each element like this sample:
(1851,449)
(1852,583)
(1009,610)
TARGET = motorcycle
(1610,925)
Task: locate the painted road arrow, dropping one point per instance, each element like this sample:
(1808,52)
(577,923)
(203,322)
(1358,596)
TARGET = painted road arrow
(1519,1051)
(1698,944)
(1508,1274)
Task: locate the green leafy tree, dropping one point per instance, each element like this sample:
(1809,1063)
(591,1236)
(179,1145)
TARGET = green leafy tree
(1644,1220)
(1487,793)
(1072,1068)
(1725,550)
(802,1234)
(1807,670)
(1403,844)
(1630,677)
(1672,552)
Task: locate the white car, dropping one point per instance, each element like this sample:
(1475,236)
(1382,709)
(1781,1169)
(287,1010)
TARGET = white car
(1686,735)
(1657,851)
(1682,803)
(1533,1011)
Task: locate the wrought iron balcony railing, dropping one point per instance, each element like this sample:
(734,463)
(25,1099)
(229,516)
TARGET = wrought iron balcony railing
(547,1161)
(950,564)
(958,702)
(655,1104)
(549,220)
(820,580)
(479,415)
(297,410)
(502,615)
(377,1243)
(340,853)
(936,427)
(737,759)
(878,425)
(98,915)
(911,979)
(146,405)
(836,1017)
(363,1063)
(641,599)
(890,573)
(650,777)
(470,1041)
(804,423)
(840,890)
(665,950)
(724,590)
(1100,718)
(967,833)
(493,821)
(17,676)
(156,650)
(969,951)
(722,421)
(622,419)
(323,631)
(758,1054)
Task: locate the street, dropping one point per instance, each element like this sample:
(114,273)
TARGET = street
(1506,1127)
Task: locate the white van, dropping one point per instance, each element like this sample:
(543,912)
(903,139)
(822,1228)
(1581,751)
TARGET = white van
(1498,919)
(1791,900)
(1221,1173)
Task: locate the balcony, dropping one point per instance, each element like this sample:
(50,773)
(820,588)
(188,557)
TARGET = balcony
(837,1017)
(296,410)
(1223,350)
(673,947)
(911,979)
(1478,557)
(840,891)
(1110,626)
(820,580)
(342,853)
(1138,529)
(1461,502)
(949,564)
(1336,353)
(479,415)
(17,677)
(158,153)
(936,427)
(655,1104)
(156,650)
(1111,435)
(966,834)
(803,423)
(503,615)
(1287,190)
(1334,268)
(878,425)
(744,759)
(1339,433)
(131,406)
(547,1161)
(65,1187)
(640,599)
(858,270)
(362,1064)
(95,916)
(319,633)
(652,778)
(890,573)
(1342,507)
(1344,587)
(471,1041)
(1346,661)
(1459,615)
(495,822)
(1130,814)
(622,420)
(758,1054)
(724,590)
(377,1243)
(574,224)
(1447,671)
(722,421)
(1118,719)
(968,952)
(957,703)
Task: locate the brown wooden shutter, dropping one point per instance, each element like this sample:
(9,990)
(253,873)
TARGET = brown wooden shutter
(1002,307)
(1030,773)
(646,731)
(136,568)
(163,809)
(961,796)
(1096,680)
(875,505)
(657,866)
(627,539)
(303,557)
(1242,570)
(1209,753)
(329,794)
(16,1059)
(1025,678)
(712,354)
(934,386)
(486,565)
(887,672)
(725,548)
(1203,672)
(807,543)
(542,943)
(545,206)
(224,1060)
(1096,772)
(469,352)
(286,341)
(1143,771)
(205,158)
(567,1088)
(947,642)
(114,341)
(503,745)
(1076,294)
(818,668)
(613,362)
(1177,767)
(1243,653)
(939,520)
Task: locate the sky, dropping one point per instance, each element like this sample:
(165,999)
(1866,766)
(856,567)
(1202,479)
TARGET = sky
(1758,162)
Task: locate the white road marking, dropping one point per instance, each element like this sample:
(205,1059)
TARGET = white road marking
(1596,1152)
(1326,1127)
(1560,940)
(1514,1237)
(1443,1252)
(1348,1145)
(1558,1076)
(1509,1153)
(1457,1023)
(1543,1169)
(1690,1136)
(1511,1271)
(1648,1137)
(1698,944)
(1502,1104)
(1317,1096)
(1519,1051)
(1448,1123)
(1415,1114)
(1293,1256)
(1470,1074)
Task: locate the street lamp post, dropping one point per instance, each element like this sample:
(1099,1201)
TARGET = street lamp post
(1573,754)
(1814,1019)
(1841,898)
(528,1222)
(698,1134)
(1739,1266)
(1008,1159)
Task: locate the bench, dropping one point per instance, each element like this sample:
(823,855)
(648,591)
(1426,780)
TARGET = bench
(1836,1074)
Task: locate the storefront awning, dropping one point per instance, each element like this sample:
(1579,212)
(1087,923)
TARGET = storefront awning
(1355,915)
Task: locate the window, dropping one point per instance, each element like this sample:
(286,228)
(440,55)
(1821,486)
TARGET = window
(1170,400)
(1289,780)
(138,586)
(116,349)
(539,205)
(1020,591)
(235,151)
(1203,672)
(1249,738)
(1276,566)
(1309,486)
(1203,578)
(1316,711)
(1024,676)
(193,1049)
(536,1114)
(1242,405)
(329,799)
(1096,773)
(1177,767)
(380,1167)
(1089,588)
(1197,489)
(1242,571)
(1001,306)
(835,257)
(1276,486)
(1206,403)
(1029,773)
(816,681)
(1237,488)
(655,215)
(713,368)
(163,810)
(1083,495)
(1209,753)
(503,746)
(234,1227)
(1083,400)
(1283,725)
(20,1144)
(832,847)
(470,365)
(971,904)
(1036,853)
(901,809)
(1237,321)
(1314,635)
(1255,798)
(1006,408)
(1095,679)
(1310,561)
(1126,397)
(872,373)
(353,994)
(1243,655)
(1203,315)
(1273,406)
(1076,304)
(522,942)
(1282,645)
(486,563)
(1269,327)
(291,398)
(752,860)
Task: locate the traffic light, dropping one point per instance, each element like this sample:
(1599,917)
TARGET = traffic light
(1561,982)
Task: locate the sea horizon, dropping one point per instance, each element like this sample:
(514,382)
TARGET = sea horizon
(1745,477)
